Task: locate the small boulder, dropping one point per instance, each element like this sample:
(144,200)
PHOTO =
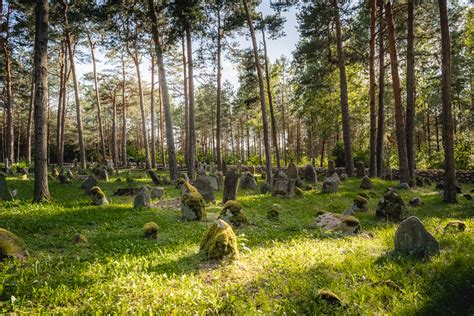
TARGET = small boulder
(366,183)
(361,203)
(455,226)
(54,173)
(265,188)
(88,184)
(232,213)
(150,230)
(247,181)
(219,241)
(330,185)
(80,239)
(344,176)
(157,193)
(273,214)
(402,186)
(416,201)
(391,207)
(310,174)
(63,179)
(98,196)
(411,237)
(142,199)
(338,223)
(11,246)
(192,203)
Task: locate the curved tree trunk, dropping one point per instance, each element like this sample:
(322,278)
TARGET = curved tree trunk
(191,127)
(448,129)
(266,142)
(346,126)
(41,190)
(410,113)
(164,93)
(82,149)
(399,120)
(373,116)
(97,98)
(381,109)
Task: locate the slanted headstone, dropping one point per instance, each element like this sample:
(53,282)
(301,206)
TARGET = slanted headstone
(232,214)
(231,184)
(157,193)
(142,199)
(214,182)
(154,177)
(360,169)
(69,174)
(203,185)
(5,194)
(330,185)
(63,179)
(98,196)
(192,203)
(252,169)
(338,223)
(331,168)
(391,207)
(247,181)
(366,183)
(11,246)
(292,171)
(87,185)
(219,241)
(220,179)
(310,174)
(103,175)
(412,237)
(212,168)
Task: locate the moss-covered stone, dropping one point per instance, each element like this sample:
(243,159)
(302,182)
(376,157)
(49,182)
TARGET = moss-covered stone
(361,203)
(219,241)
(273,214)
(150,230)
(299,192)
(455,226)
(233,206)
(98,196)
(364,195)
(80,239)
(232,213)
(329,297)
(11,245)
(192,203)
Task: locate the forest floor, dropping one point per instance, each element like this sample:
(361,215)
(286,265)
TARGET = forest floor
(281,268)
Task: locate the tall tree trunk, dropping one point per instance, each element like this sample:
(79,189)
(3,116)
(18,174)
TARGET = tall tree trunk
(63,112)
(192,130)
(142,110)
(448,129)
(410,113)
(266,142)
(186,101)
(346,126)
(152,110)
(381,109)
(29,123)
(97,98)
(41,190)
(124,116)
(283,122)
(162,127)
(373,116)
(218,92)
(164,92)
(82,148)
(270,103)
(8,86)
(114,127)
(399,120)
(62,77)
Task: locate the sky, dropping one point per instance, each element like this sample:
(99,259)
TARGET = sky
(276,48)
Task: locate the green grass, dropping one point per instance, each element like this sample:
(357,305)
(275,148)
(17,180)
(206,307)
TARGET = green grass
(282,266)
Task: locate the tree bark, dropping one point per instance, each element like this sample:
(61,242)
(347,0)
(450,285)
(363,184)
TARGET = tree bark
(114,127)
(346,126)
(218,92)
(82,149)
(164,93)
(10,150)
(192,130)
(410,113)
(186,102)
(270,103)
(373,116)
(266,142)
(381,108)
(62,77)
(399,120)
(124,116)
(152,110)
(448,128)
(41,190)
(29,123)
(97,98)
(63,112)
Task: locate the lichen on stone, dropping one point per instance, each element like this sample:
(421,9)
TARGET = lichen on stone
(150,230)
(233,206)
(11,245)
(219,241)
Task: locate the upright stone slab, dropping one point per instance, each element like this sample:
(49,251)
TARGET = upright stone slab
(284,188)
(5,194)
(310,174)
(103,175)
(154,177)
(292,171)
(247,181)
(366,183)
(330,185)
(360,169)
(87,185)
(192,203)
(142,199)
(204,186)
(412,237)
(212,168)
(98,196)
(331,168)
(214,182)
(231,184)
(220,179)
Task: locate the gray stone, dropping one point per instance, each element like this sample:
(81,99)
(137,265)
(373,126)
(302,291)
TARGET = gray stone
(54,173)
(231,184)
(330,185)
(416,201)
(344,176)
(391,207)
(5,193)
(87,185)
(284,188)
(220,179)
(98,197)
(331,168)
(203,185)
(142,199)
(292,171)
(310,174)
(247,181)
(402,186)
(214,182)
(154,177)
(336,223)
(212,168)
(366,183)
(412,237)
(192,203)
(360,169)
(157,193)
(265,188)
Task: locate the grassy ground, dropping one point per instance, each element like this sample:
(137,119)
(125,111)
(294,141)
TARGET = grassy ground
(281,268)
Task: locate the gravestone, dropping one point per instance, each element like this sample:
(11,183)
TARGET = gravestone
(212,168)
(219,241)
(412,237)
(54,173)
(247,181)
(360,169)
(192,203)
(157,193)
(366,183)
(214,182)
(11,245)
(338,223)
(331,168)
(391,207)
(5,194)
(103,175)
(292,171)
(63,179)
(98,196)
(231,184)
(232,214)
(284,188)
(87,185)
(204,187)
(154,177)
(310,174)
(142,199)
(330,185)
(220,179)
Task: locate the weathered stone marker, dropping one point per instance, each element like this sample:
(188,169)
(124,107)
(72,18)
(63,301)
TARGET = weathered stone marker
(310,174)
(219,241)
(5,194)
(412,237)
(231,184)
